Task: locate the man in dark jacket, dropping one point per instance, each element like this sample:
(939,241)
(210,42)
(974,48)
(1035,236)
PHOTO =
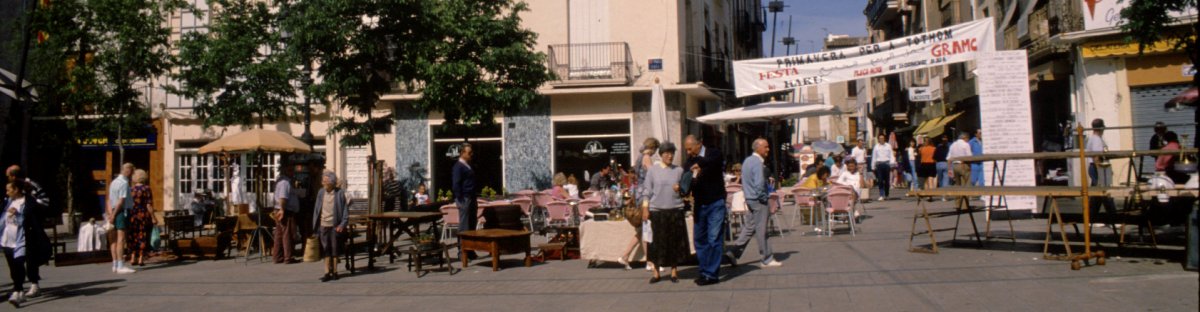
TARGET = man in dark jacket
(708,192)
(465,191)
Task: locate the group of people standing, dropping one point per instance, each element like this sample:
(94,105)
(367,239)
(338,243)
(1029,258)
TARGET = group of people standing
(130,212)
(22,238)
(329,220)
(661,189)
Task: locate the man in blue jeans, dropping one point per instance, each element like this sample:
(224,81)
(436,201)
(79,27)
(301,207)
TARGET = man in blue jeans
(754,186)
(708,190)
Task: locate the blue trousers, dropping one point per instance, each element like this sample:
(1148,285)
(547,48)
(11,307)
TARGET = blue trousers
(943,178)
(976,174)
(709,234)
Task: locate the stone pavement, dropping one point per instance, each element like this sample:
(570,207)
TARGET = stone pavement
(872,271)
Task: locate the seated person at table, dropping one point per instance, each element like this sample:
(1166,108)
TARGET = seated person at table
(850,177)
(422,195)
(600,181)
(559,192)
(572,187)
(1166,163)
(837,168)
(818,179)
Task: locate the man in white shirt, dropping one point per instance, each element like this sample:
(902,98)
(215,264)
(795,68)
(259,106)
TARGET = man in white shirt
(859,154)
(961,171)
(883,158)
(1099,171)
(119,204)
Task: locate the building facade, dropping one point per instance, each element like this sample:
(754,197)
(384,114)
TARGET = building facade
(607,55)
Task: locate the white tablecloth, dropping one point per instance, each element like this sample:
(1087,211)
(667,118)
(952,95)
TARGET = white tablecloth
(606,240)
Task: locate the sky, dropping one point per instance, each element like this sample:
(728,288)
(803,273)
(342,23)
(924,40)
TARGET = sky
(839,17)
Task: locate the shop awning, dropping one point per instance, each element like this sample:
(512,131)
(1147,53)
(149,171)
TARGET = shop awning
(935,127)
(770,111)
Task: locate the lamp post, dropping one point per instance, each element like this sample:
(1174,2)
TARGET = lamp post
(306,82)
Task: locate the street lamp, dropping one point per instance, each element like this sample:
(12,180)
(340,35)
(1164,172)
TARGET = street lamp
(305,83)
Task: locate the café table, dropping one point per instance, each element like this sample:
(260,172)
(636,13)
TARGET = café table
(495,242)
(606,240)
(391,225)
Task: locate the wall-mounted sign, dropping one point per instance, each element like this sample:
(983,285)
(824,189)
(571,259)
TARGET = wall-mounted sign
(655,64)
(593,148)
(453,151)
(924,94)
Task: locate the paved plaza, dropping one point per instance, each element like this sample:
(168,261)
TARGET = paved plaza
(872,271)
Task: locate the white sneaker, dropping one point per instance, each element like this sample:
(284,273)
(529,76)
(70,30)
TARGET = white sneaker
(772,264)
(33,291)
(125,270)
(622,261)
(880,198)
(16,299)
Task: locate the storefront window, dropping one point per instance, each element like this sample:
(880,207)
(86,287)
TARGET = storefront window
(487,162)
(581,148)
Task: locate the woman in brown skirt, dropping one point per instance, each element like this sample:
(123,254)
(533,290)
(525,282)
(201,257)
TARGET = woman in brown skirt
(668,242)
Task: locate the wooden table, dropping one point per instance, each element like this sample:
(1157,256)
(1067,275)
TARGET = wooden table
(495,242)
(391,225)
(964,193)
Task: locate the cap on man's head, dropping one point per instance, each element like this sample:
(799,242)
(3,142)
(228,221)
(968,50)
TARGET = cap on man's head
(1160,126)
(1098,123)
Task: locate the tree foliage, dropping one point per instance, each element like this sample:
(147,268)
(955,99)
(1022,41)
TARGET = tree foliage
(1149,21)
(238,72)
(468,59)
(97,59)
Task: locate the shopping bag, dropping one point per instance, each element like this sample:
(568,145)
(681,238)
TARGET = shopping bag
(155,237)
(647,231)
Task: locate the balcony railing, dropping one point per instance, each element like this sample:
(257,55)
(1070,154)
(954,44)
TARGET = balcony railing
(881,10)
(591,64)
(704,65)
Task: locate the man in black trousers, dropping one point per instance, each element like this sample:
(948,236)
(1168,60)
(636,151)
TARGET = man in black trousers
(708,192)
(465,191)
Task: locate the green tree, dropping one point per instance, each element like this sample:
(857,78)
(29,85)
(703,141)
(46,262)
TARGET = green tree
(238,72)
(468,59)
(1149,21)
(90,68)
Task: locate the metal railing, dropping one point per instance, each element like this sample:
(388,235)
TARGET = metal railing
(605,63)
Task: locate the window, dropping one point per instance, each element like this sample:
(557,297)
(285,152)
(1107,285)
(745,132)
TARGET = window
(852,88)
(195,172)
(581,148)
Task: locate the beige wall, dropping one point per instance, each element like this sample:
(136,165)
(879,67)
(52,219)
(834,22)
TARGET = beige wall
(645,25)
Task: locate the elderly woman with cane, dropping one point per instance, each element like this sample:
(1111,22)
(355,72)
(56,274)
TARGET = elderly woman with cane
(329,221)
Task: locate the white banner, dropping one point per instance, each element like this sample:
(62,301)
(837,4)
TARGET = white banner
(1006,119)
(958,43)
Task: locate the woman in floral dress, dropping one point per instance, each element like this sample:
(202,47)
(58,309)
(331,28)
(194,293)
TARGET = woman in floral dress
(141,219)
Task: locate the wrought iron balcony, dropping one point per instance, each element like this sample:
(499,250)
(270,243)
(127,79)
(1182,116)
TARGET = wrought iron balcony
(878,11)
(591,64)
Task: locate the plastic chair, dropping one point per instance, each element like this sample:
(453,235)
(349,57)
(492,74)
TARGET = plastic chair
(449,220)
(841,200)
(773,205)
(736,203)
(804,199)
(558,211)
(586,205)
(590,194)
(526,205)
(527,194)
